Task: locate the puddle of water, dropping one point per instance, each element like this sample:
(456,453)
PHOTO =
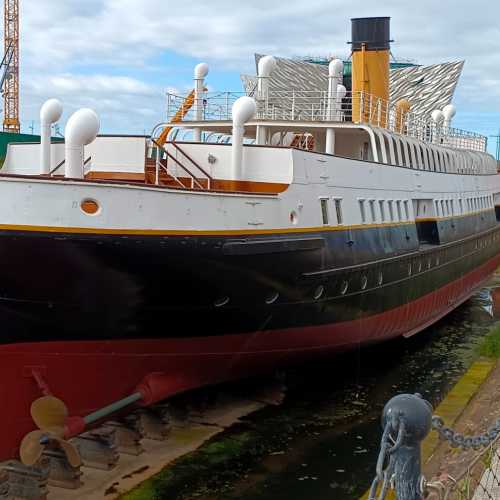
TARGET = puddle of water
(323,441)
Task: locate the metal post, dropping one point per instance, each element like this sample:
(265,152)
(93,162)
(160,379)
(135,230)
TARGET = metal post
(157,172)
(406,420)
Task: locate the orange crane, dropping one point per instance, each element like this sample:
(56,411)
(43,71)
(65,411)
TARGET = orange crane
(10,79)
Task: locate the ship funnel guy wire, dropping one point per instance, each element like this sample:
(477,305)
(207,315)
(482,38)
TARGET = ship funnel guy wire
(82,129)
(266,66)
(50,113)
(200,73)
(244,109)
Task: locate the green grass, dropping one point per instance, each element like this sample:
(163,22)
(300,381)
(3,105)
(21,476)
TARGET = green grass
(490,346)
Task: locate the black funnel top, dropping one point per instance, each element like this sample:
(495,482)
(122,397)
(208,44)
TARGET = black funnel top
(374,32)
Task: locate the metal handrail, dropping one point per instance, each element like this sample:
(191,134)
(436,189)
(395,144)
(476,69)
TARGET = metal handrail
(164,168)
(57,167)
(199,167)
(357,107)
(169,155)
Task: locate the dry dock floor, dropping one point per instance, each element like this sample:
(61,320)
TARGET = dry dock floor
(184,438)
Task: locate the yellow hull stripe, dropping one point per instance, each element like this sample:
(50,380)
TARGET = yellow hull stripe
(178,232)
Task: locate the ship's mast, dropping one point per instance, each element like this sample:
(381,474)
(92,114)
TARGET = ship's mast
(11,82)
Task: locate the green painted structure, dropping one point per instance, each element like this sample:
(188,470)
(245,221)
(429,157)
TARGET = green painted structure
(7,137)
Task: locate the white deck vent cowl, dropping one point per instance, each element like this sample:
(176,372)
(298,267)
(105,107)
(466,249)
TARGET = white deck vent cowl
(437,116)
(200,73)
(82,129)
(244,109)
(267,65)
(336,68)
(50,113)
(448,113)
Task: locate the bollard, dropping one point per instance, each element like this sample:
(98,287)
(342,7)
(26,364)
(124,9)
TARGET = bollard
(406,421)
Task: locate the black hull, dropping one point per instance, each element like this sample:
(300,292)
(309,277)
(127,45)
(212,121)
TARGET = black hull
(104,287)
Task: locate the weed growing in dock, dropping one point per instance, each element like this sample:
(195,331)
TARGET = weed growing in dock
(490,346)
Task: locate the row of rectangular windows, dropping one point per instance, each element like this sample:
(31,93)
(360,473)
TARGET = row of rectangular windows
(414,154)
(387,211)
(445,208)
(325,211)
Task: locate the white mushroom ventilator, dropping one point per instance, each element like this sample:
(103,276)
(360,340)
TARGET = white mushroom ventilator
(244,109)
(449,112)
(335,79)
(50,113)
(266,66)
(200,73)
(437,117)
(82,129)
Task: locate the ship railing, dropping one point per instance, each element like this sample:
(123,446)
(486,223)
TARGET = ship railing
(86,166)
(318,106)
(171,152)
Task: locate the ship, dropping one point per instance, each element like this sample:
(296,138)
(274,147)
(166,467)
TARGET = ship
(251,231)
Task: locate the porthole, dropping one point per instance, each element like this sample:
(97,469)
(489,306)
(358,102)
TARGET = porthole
(89,206)
(318,293)
(294,218)
(364,282)
(380,278)
(272,298)
(344,287)
(223,301)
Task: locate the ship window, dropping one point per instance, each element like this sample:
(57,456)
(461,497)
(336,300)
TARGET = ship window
(90,207)
(398,206)
(272,298)
(407,210)
(461,205)
(436,202)
(324,211)
(372,211)
(338,210)
(391,210)
(362,211)
(380,278)
(221,302)
(382,209)
(318,293)
(364,282)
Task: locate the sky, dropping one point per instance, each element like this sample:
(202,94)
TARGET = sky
(120,57)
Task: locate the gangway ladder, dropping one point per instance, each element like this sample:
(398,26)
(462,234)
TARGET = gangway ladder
(195,182)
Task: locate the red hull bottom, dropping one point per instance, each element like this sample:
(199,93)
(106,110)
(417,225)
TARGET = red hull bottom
(90,375)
